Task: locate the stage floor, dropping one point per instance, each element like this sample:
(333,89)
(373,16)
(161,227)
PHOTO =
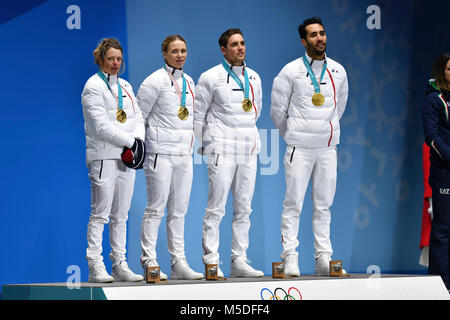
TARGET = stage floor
(306,287)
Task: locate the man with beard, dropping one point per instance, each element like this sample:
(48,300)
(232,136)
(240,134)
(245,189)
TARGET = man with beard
(308,99)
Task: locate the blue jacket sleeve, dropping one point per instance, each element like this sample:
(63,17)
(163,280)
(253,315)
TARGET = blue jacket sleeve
(431,111)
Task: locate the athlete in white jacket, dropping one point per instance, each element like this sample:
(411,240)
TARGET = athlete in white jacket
(309,96)
(113,121)
(166,98)
(227,105)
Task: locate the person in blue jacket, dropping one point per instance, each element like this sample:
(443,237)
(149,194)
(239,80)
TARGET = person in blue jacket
(436,125)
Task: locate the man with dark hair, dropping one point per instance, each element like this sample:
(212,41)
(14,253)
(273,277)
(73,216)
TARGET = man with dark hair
(223,40)
(228,103)
(308,100)
(302,28)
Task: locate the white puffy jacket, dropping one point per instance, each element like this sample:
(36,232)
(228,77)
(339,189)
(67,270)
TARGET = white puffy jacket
(159,102)
(105,136)
(220,123)
(300,123)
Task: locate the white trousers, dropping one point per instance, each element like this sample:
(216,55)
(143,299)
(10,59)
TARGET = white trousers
(239,173)
(112,185)
(300,165)
(169,181)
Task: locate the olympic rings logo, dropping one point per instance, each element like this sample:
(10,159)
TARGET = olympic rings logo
(275,296)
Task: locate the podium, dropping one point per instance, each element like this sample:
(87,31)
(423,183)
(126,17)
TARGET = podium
(306,287)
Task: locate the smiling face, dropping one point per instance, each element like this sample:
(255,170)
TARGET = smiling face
(316,41)
(112,61)
(234,52)
(176,53)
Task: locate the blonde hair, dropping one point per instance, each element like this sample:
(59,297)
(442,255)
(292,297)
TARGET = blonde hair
(169,39)
(103,46)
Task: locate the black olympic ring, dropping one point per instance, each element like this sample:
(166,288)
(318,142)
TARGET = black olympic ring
(287,296)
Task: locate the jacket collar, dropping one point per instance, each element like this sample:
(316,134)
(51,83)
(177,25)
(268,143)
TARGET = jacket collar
(432,86)
(239,70)
(177,73)
(311,60)
(112,79)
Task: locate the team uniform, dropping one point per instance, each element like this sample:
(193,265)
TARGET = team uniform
(311,134)
(168,165)
(231,141)
(112,183)
(437,136)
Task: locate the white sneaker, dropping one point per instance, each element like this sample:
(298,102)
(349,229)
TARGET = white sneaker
(291,268)
(182,271)
(121,272)
(97,273)
(241,269)
(323,266)
(153,263)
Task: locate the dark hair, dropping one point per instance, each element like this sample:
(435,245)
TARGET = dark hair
(438,71)
(170,39)
(223,40)
(302,28)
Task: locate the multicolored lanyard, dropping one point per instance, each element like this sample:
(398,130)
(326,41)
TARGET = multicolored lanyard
(236,78)
(119,89)
(181,94)
(313,76)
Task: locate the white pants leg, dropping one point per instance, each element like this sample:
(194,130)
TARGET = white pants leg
(300,165)
(158,176)
(220,176)
(225,172)
(323,189)
(169,180)
(297,167)
(177,205)
(112,185)
(243,187)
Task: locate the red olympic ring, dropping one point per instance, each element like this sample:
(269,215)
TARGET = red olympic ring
(289,292)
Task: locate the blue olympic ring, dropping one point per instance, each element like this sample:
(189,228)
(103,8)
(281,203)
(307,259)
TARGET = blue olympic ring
(274,296)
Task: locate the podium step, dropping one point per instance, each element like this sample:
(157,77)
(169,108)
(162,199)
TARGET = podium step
(306,287)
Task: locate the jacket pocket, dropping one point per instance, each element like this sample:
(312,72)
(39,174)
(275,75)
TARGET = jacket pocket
(154,163)
(101,170)
(217,160)
(292,155)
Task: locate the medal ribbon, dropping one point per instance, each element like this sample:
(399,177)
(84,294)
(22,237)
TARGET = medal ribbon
(236,78)
(119,89)
(182,94)
(313,76)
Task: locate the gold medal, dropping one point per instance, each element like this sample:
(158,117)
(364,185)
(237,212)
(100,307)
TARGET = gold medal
(318,99)
(247,105)
(121,116)
(183,113)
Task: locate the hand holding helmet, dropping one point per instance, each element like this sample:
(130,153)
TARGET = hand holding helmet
(134,157)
